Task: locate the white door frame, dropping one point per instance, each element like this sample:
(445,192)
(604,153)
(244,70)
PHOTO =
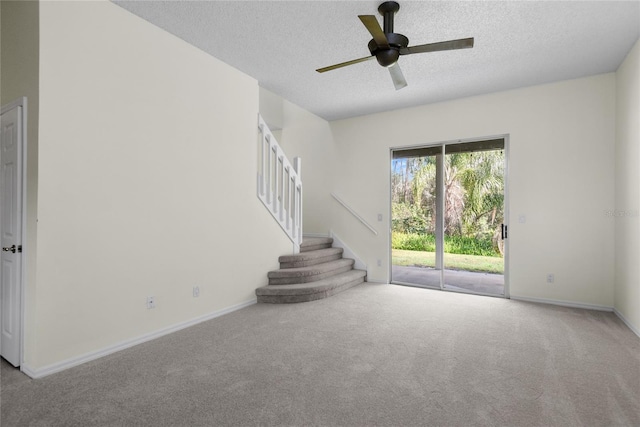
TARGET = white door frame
(443,144)
(21,102)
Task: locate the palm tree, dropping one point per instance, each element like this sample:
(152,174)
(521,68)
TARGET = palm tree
(454,203)
(483,182)
(474,192)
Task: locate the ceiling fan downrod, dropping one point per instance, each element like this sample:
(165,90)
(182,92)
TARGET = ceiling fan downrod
(388,10)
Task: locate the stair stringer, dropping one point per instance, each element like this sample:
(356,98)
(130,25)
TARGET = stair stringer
(348,253)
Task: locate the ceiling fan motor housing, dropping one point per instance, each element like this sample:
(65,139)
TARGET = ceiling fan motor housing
(388,56)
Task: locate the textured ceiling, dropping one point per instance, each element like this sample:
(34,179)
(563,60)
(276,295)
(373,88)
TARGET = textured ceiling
(281,43)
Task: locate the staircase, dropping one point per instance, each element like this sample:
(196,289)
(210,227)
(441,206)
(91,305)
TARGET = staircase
(317,272)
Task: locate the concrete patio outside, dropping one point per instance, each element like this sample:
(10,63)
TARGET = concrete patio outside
(484,283)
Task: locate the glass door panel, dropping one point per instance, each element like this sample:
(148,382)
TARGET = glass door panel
(416,255)
(473,191)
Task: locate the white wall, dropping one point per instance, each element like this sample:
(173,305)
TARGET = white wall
(146,185)
(309,137)
(271,110)
(561,176)
(19,77)
(627,206)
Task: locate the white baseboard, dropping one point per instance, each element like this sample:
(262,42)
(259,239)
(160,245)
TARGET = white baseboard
(380,282)
(626,322)
(563,303)
(87,357)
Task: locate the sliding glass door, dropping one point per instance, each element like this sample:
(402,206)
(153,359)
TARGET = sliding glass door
(415,209)
(448,210)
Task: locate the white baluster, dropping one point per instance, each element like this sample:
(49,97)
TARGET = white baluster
(267,170)
(294,216)
(297,166)
(281,188)
(299,212)
(274,171)
(261,158)
(286,190)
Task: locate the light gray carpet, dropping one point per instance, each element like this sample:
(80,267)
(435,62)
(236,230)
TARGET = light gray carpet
(372,355)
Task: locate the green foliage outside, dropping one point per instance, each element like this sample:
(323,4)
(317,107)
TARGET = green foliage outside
(452,244)
(473,203)
(408,218)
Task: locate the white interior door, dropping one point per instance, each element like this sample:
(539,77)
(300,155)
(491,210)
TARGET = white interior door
(11,234)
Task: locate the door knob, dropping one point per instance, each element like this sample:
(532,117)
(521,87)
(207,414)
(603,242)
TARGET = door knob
(10,249)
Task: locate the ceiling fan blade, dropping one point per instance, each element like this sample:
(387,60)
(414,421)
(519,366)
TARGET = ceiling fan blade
(435,47)
(396,75)
(374,28)
(344,64)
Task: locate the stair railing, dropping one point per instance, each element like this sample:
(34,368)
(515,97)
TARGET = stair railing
(279,184)
(355,214)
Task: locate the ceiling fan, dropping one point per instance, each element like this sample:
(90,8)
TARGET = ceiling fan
(387,46)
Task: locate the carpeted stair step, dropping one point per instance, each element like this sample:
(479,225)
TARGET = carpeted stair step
(289,276)
(306,259)
(315,243)
(302,292)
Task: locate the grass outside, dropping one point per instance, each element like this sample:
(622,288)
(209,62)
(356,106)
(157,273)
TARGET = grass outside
(478,263)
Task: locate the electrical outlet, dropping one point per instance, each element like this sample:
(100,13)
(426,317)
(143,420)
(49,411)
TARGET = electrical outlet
(380,217)
(151,302)
(379,263)
(550,278)
(196,291)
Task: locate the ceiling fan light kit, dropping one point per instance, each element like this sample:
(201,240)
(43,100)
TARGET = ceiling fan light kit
(387,46)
